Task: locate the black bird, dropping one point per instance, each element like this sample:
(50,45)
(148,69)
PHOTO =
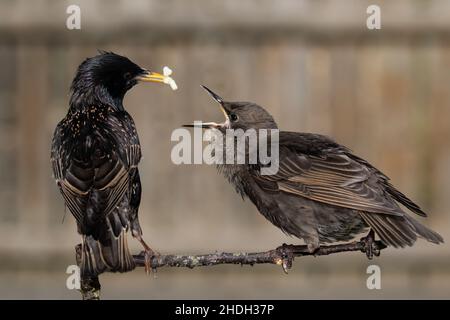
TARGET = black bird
(95,154)
(322,192)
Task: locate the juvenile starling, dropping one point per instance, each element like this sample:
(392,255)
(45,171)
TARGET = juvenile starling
(322,192)
(95,154)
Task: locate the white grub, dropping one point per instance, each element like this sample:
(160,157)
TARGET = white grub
(167,79)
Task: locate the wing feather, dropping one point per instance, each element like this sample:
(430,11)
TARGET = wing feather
(331,177)
(78,172)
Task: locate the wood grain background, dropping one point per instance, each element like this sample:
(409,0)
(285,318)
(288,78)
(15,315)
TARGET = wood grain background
(312,64)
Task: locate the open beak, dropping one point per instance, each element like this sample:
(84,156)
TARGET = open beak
(212,125)
(214,95)
(203,125)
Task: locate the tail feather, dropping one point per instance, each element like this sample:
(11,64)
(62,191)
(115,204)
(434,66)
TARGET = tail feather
(92,263)
(404,200)
(390,233)
(399,231)
(98,257)
(424,232)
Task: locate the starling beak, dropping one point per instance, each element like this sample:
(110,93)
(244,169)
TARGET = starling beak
(95,155)
(214,95)
(213,125)
(203,125)
(322,192)
(148,76)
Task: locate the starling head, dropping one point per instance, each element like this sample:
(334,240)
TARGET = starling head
(106,78)
(240,115)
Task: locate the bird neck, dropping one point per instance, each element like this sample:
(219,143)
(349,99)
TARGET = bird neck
(94,96)
(235,174)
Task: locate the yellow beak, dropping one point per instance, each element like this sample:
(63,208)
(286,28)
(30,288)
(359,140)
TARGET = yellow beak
(152,77)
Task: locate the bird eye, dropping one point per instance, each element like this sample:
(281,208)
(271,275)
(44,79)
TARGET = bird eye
(234,117)
(127,75)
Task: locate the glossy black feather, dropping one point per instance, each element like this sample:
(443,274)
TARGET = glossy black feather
(95,153)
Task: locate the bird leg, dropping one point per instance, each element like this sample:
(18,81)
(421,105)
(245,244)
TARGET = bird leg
(148,254)
(370,247)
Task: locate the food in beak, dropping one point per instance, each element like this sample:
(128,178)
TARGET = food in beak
(156,77)
(169,80)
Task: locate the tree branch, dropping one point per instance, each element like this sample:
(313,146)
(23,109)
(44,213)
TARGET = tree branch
(283,256)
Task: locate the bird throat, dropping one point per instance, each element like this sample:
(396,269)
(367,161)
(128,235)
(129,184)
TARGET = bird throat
(235,174)
(95,96)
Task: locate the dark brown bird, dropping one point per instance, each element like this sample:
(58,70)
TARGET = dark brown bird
(322,192)
(95,154)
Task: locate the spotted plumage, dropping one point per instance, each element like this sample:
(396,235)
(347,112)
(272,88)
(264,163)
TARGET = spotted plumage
(95,155)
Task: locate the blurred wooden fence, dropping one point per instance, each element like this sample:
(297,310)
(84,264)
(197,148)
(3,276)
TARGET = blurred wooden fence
(313,64)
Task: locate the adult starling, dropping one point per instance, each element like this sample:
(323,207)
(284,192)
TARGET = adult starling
(321,192)
(95,154)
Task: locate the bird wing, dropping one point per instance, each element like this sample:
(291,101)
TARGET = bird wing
(75,197)
(125,153)
(317,168)
(100,180)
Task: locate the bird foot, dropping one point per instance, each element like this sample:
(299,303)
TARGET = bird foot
(149,254)
(370,247)
(285,257)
